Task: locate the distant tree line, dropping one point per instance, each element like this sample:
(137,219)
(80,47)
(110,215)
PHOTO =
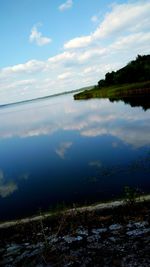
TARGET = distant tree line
(137,70)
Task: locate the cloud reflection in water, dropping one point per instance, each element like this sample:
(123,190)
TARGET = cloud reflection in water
(6,188)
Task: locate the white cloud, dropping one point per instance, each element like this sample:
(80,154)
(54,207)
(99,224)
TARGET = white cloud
(78,42)
(84,60)
(91,53)
(63,57)
(93,132)
(63,148)
(37,37)
(64,75)
(66,5)
(121,19)
(8,188)
(123,123)
(28,67)
(22,85)
(129,41)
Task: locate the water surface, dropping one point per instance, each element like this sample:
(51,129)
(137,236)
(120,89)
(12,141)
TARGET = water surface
(60,150)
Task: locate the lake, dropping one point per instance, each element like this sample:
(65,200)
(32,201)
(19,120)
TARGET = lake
(58,150)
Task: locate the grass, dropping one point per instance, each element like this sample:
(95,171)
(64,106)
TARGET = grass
(116,91)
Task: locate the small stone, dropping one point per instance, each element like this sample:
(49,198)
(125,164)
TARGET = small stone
(79,238)
(130,225)
(13,248)
(70,239)
(82,232)
(35,246)
(115,227)
(99,231)
(138,232)
(53,238)
(141,224)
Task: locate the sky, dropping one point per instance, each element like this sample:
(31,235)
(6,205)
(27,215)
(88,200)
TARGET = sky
(52,46)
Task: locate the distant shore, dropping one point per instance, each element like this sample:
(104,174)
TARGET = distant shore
(116,91)
(43,97)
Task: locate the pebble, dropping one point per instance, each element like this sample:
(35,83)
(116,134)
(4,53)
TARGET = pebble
(99,231)
(116,243)
(70,239)
(82,232)
(13,248)
(138,232)
(115,227)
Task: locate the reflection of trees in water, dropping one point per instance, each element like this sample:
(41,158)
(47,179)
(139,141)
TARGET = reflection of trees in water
(140,101)
(141,164)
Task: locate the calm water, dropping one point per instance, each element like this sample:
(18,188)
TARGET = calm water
(60,150)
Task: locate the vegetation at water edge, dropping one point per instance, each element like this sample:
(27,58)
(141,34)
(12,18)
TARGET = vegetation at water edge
(131,80)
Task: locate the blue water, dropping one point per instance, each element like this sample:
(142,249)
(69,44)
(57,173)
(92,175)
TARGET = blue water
(60,150)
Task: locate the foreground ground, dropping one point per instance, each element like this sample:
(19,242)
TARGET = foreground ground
(119,236)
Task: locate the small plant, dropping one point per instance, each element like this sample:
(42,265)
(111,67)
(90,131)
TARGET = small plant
(130,195)
(45,241)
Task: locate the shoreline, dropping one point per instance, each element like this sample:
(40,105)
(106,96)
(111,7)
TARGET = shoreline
(115,234)
(93,207)
(116,91)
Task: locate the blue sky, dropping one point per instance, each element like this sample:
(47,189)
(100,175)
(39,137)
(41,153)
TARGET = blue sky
(18,17)
(52,46)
